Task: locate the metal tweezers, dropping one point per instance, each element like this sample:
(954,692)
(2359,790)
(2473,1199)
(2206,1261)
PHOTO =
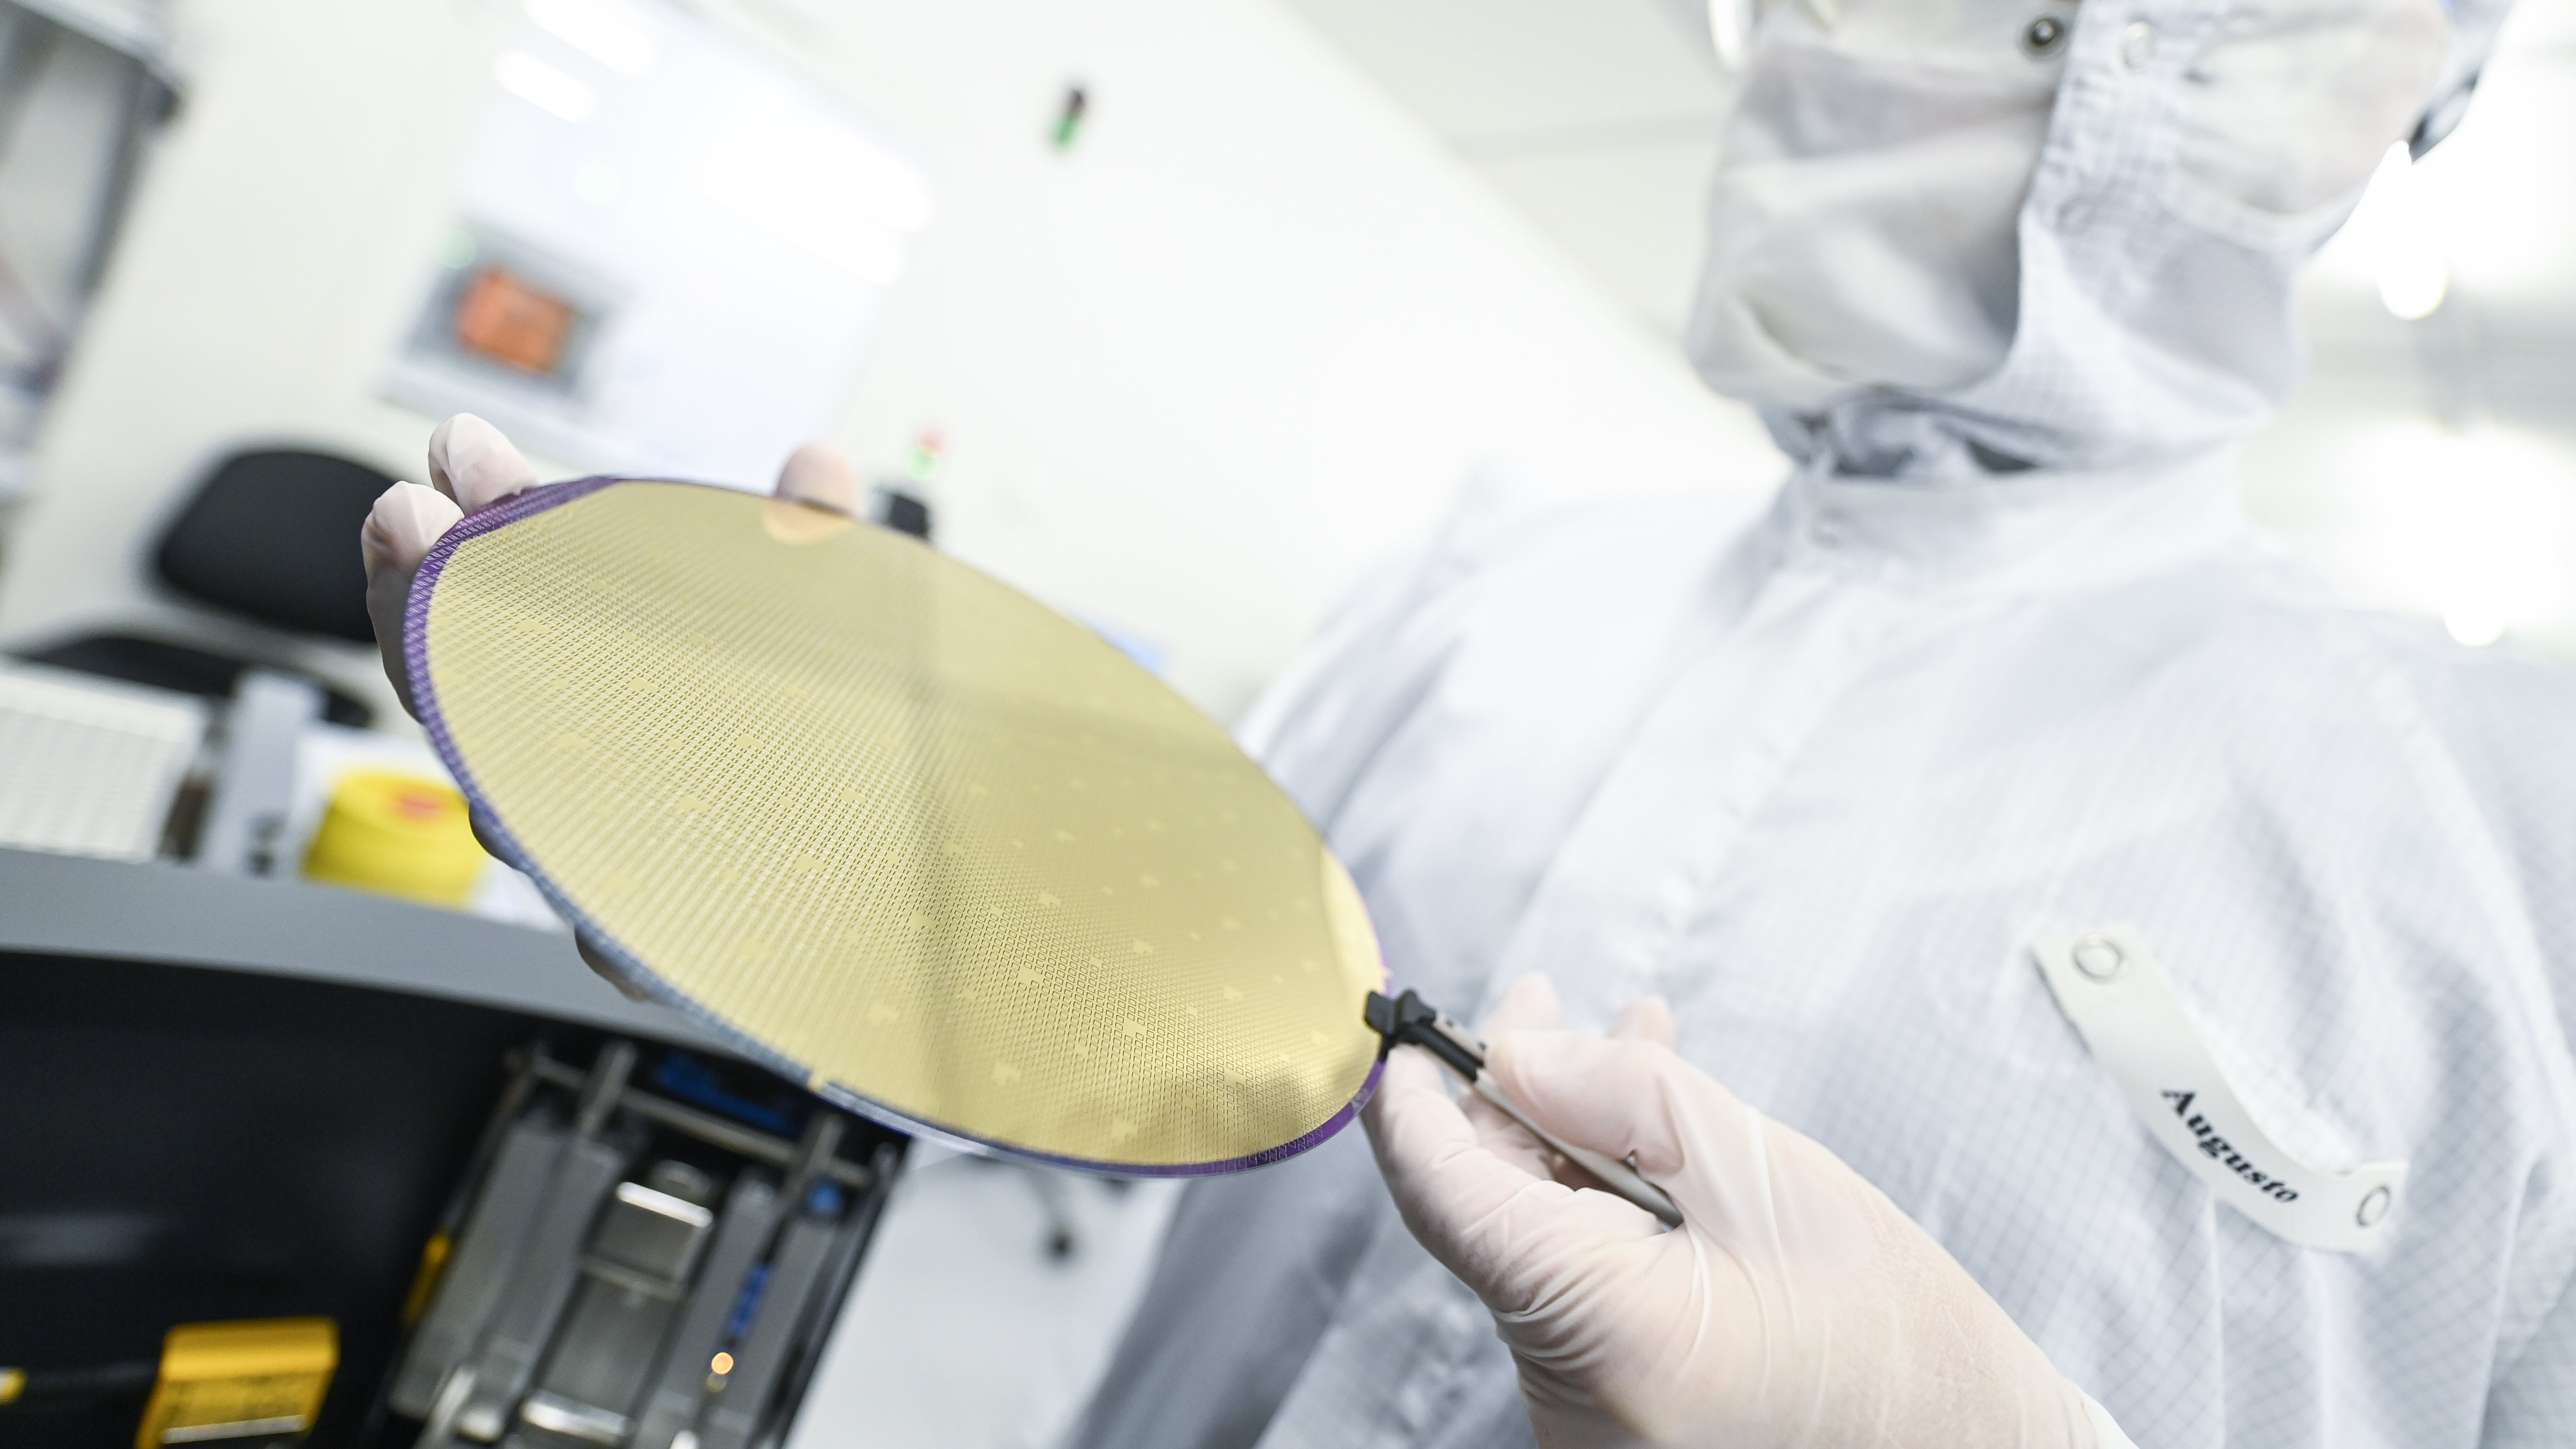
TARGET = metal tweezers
(1408,1020)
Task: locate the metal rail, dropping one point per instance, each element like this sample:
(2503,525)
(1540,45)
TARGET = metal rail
(705,1126)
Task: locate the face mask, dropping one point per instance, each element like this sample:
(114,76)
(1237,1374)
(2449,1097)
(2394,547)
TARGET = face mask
(1864,221)
(1861,228)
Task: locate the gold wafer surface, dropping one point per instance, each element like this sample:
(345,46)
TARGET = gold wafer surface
(922,837)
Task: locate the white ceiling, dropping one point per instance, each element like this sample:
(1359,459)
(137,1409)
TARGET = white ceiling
(1597,119)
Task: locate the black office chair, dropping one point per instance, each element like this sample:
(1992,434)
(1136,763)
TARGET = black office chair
(270,536)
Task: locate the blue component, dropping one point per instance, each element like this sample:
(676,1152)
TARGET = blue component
(693,1081)
(825,1200)
(748,1304)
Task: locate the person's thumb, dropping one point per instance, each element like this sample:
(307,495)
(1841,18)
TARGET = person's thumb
(1442,1178)
(1502,1229)
(405,522)
(1648,1018)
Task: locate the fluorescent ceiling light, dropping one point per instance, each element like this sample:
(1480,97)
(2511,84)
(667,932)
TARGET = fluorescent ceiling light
(599,30)
(543,86)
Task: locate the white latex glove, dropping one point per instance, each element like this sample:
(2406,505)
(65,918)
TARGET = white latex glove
(471,467)
(1796,1305)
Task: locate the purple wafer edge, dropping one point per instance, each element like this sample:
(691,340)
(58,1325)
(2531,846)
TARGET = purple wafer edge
(489,824)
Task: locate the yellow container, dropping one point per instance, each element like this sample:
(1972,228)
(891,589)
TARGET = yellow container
(219,1381)
(398,835)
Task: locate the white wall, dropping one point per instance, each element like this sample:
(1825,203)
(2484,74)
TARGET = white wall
(2429,466)
(1253,331)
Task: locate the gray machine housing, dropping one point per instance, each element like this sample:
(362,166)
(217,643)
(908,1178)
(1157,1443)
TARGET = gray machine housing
(630,1271)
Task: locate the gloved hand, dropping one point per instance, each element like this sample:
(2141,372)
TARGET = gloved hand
(471,467)
(1796,1305)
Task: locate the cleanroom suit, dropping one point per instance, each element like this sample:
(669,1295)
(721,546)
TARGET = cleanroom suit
(2002,661)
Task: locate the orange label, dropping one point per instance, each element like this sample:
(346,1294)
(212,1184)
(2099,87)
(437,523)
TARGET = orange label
(505,318)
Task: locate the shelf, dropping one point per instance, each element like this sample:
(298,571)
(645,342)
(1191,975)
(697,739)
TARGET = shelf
(174,915)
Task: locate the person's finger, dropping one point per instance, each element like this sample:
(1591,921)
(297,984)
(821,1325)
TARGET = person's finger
(1530,1005)
(1494,1224)
(1648,1018)
(1635,1101)
(1411,1119)
(487,834)
(1443,1180)
(608,970)
(399,530)
(471,462)
(1736,1175)
(824,476)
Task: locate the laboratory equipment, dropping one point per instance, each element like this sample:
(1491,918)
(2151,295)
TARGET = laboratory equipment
(83,89)
(397,834)
(633,1270)
(89,768)
(253,1384)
